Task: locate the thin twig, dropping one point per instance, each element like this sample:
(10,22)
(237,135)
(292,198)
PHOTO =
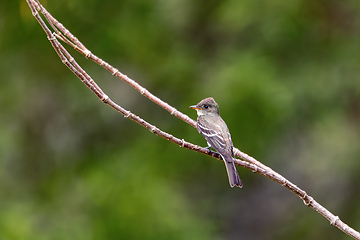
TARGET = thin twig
(61,31)
(250,163)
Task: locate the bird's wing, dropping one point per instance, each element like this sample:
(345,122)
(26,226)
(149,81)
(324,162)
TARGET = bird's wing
(213,136)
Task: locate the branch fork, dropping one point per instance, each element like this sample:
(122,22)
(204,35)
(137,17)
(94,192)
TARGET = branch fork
(61,33)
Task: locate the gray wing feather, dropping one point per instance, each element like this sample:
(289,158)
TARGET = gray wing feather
(213,137)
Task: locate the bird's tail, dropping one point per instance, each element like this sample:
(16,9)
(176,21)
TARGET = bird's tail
(234,178)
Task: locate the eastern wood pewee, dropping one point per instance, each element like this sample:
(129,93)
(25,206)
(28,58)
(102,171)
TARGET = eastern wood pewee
(214,130)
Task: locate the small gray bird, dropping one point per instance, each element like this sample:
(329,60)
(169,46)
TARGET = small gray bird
(214,130)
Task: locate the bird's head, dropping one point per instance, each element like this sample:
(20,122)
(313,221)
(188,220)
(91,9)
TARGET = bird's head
(207,106)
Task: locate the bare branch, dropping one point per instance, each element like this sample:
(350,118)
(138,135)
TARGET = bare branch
(249,162)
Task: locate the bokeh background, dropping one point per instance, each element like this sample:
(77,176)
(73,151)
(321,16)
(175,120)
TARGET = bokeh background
(286,77)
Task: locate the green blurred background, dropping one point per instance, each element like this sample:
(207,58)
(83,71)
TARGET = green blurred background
(286,77)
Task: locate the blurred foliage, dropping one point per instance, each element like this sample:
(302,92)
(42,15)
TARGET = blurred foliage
(286,77)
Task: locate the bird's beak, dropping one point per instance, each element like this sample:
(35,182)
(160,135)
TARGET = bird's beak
(194,107)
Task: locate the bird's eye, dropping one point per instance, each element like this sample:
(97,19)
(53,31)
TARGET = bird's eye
(206,106)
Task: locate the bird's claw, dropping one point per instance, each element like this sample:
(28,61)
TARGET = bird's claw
(208,148)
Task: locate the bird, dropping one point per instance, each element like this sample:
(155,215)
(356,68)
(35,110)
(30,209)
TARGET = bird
(215,131)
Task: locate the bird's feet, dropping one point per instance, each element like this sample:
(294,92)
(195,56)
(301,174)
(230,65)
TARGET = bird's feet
(208,148)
